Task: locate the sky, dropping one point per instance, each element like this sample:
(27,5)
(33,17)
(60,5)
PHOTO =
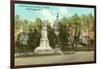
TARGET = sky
(47,12)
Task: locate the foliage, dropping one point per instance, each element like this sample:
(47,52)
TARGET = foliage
(70,30)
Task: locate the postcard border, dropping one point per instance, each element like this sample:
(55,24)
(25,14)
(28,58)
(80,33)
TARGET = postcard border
(12,66)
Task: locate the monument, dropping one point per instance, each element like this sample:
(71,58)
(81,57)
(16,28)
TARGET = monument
(44,47)
(56,31)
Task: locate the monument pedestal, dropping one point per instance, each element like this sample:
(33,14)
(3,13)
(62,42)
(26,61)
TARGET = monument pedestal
(44,50)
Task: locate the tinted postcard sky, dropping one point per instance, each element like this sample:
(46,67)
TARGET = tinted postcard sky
(45,12)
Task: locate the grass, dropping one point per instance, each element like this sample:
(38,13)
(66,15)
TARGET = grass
(81,56)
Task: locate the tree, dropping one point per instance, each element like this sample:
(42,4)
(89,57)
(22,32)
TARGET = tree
(34,34)
(51,35)
(76,30)
(63,34)
(18,22)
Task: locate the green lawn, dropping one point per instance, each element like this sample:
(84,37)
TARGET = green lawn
(68,58)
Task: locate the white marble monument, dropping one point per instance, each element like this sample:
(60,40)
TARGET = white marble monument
(44,47)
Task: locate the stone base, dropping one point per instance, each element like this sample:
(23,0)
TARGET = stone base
(44,50)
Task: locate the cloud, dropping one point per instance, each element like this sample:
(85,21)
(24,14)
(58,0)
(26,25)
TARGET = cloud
(63,12)
(50,15)
(47,15)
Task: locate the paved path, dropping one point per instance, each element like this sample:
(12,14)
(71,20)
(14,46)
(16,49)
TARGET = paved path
(77,57)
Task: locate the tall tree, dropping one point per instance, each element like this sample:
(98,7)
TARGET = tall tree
(34,34)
